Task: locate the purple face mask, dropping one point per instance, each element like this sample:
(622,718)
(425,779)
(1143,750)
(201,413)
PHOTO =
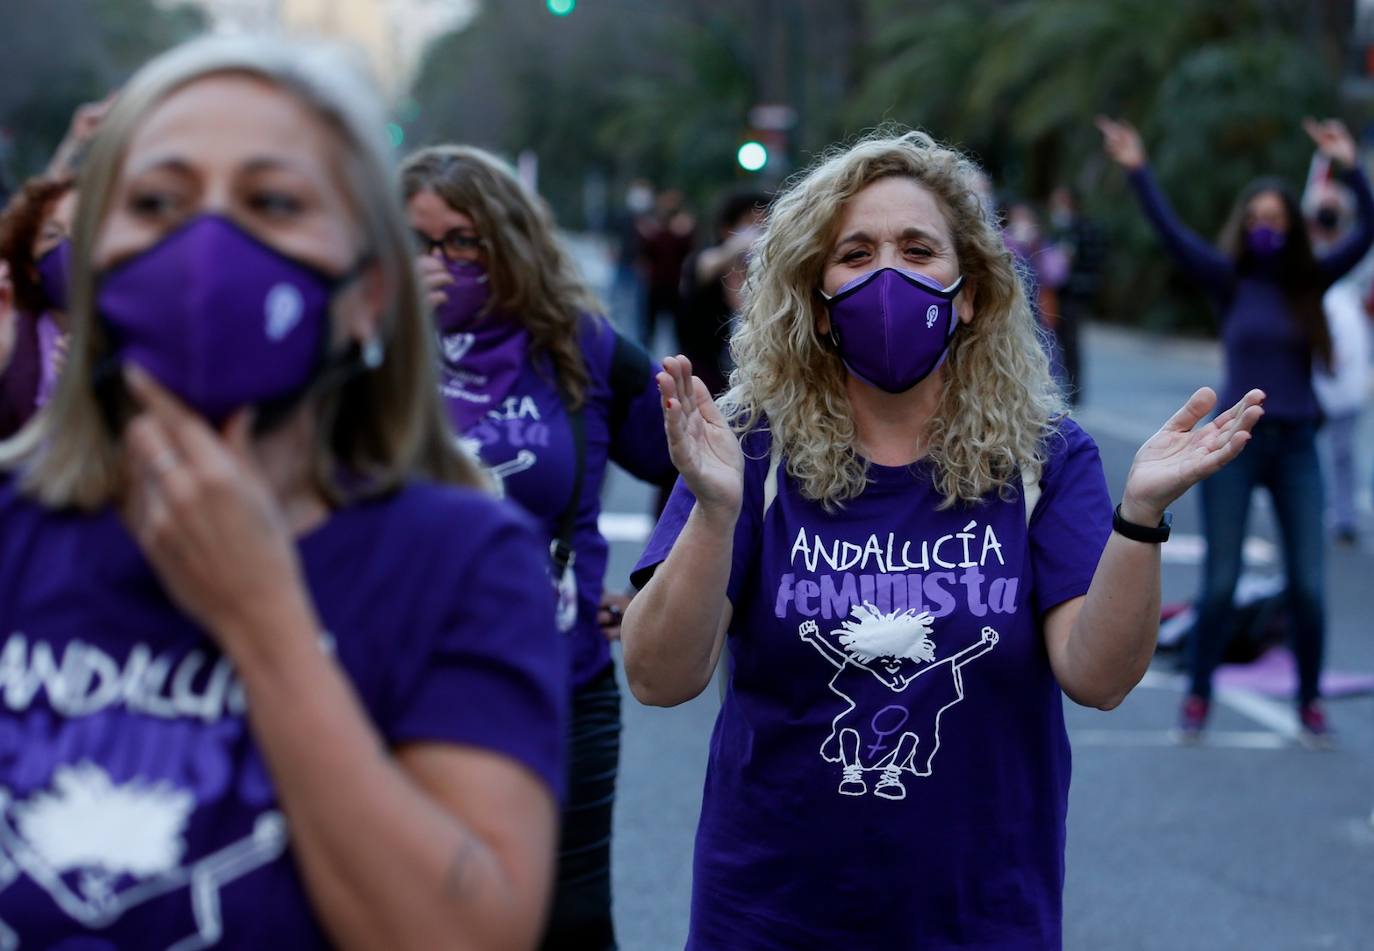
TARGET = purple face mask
(221,319)
(465,298)
(1264,241)
(893,327)
(53,268)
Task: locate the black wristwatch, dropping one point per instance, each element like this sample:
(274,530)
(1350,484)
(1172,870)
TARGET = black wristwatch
(1141,533)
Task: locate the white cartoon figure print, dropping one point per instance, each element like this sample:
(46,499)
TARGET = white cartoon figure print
(894,729)
(100,848)
(524,459)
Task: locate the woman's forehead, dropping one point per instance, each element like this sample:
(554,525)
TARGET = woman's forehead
(891,206)
(230,120)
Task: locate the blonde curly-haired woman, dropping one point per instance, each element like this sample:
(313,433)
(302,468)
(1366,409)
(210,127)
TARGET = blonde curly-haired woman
(911,551)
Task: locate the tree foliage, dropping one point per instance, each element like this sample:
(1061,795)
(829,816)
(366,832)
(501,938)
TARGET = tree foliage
(58,54)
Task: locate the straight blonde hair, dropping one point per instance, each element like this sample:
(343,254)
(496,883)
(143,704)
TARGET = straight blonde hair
(999,402)
(373,432)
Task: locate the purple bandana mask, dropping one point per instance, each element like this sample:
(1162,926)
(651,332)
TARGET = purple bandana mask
(1265,243)
(465,298)
(892,327)
(53,269)
(221,319)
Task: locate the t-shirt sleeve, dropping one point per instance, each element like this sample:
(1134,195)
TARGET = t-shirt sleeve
(495,673)
(747,527)
(639,444)
(1073,520)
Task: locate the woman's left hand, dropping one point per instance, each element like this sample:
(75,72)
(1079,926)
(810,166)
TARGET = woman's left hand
(612,612)
(203,513)
(1179,456)
(1333,140)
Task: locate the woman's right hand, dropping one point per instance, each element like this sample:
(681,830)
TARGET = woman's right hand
(434,277)
(1122,143)
(704,449)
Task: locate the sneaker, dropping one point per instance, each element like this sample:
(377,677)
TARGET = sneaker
(852,782)
(890,786)
(1192,718)
(1313,730)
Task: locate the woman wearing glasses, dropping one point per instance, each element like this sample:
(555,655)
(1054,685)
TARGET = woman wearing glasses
(546,392)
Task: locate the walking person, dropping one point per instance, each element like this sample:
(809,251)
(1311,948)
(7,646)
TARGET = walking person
(1343,388)
(290,679)
(1080,241)
(1266,284)
(712,278)
(909,549)
(547,392)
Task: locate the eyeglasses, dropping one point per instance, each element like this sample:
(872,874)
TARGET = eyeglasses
(457,245)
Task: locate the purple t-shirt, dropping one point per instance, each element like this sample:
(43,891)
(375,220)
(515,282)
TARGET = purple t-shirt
(890,767)
(135,808)
(528,444)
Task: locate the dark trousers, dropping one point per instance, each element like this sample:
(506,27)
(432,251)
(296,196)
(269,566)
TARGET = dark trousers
(581,918)
(1072,312)
(1282,457)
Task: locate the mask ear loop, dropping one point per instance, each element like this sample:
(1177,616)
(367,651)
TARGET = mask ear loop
(331,369)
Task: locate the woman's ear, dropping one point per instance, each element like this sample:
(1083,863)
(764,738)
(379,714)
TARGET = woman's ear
(964,301)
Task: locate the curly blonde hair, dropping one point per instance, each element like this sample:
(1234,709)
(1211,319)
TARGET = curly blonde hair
(532,276)
(999,402)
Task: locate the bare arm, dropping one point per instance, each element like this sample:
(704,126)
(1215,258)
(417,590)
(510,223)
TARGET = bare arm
(673,631)
(1100,645)
(437,845)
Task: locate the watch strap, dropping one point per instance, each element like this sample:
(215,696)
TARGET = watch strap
(1156,535)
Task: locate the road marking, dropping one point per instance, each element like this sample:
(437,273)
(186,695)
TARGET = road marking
(1183,549)
(1186,549)
(1274,716)
(1235,739)
(625,526)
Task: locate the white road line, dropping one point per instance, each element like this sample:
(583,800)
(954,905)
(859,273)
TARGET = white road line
(1274,716)
(1234,739)
(625,526)
(1188,549)
(1115,425)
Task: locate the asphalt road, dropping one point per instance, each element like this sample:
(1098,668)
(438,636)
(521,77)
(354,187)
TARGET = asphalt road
(1248,842)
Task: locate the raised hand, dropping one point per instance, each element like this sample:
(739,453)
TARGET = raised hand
(205,516)
(434,277)
(1122,143)
(1179,455)
(702,446)
(1333,140)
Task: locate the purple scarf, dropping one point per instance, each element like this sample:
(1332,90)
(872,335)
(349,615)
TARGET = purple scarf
(479,367)
(48,336)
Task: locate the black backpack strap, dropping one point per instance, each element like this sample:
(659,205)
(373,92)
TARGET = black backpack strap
(630,372)
(561,548)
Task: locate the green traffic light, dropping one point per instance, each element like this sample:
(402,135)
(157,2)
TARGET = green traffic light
(752,156)
(561,8)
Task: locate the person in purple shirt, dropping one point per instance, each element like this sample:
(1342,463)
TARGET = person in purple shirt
(909,550)
(1267,285)
(547,392)
(35,242)
(276,672)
